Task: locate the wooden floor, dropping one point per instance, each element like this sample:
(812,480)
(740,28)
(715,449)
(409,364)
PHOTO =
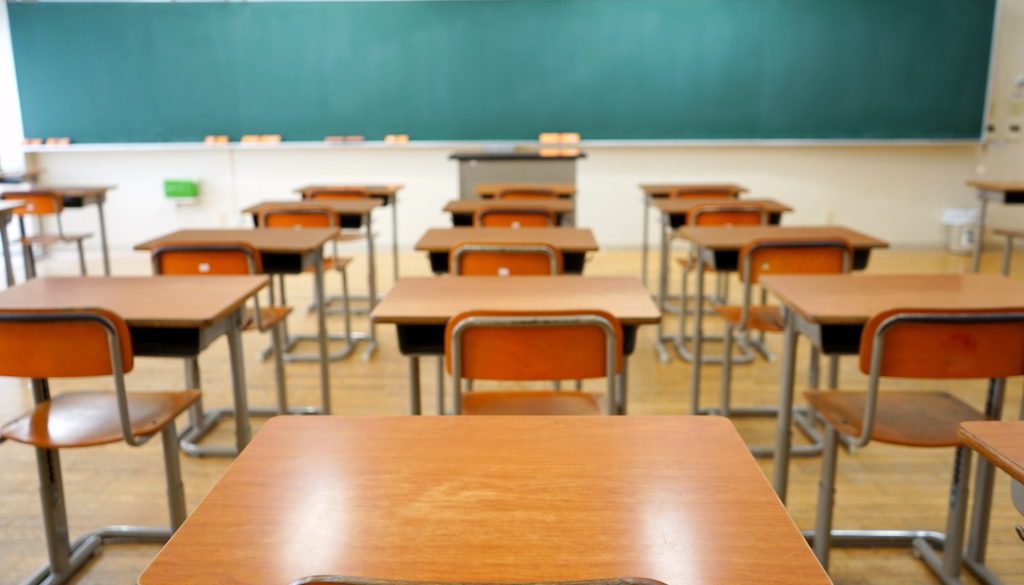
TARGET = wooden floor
(878,487)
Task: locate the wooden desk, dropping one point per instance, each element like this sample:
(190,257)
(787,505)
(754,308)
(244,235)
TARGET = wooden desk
(1005,192)
(1010,236)
(573,243)
(422,307)
(387,194)
(161,324)
(282,251)
(653,191)
(463,210)
(487,499)
(80,196)
(7,209)
(831,312)
(1001,442)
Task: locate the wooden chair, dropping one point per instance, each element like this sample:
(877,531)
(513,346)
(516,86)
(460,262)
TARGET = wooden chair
(337,580)
(42,204)
(526,194)
(931,344)
(521,217)
(292,217)
(233,259)
(725,214)
(533,346)
(471,259)
(758,258)
(71,343)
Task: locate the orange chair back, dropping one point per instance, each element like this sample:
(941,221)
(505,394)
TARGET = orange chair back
(533,353)
(297,217)
(471,259)
(342,193)
(728,215)
(526,194)
(514,218)
(221,258)
(946,344)
(36,203)
(794,256)
(63,343)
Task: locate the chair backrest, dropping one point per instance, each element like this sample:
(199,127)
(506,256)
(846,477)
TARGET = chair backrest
(728,215)
(343,193)
(794,256)
(206,258)
(471,259)
(36,202)
(526,193)
(943,344)
(295,217)
(519,217)
(339,580)
(65,343)
(531,346)
(703,193)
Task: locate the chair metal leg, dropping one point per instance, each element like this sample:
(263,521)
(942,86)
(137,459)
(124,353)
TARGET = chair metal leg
(414,385)
(172,470)
(977,542)
(277,345)
(81,258)
(1007,255)
(726,398)
(947,565)
(440,384)
(826,496)
(350,338)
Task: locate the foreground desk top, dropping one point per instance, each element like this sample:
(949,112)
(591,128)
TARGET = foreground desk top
(1001,442)
(144,301)
(734,238)
(280,241)
(434,301)
(565,239)
(852,299)
(496,499)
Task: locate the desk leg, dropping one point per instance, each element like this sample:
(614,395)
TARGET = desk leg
(371,271)
(698,341)
(780,471)
(440,385)
(981,512)
(8,267)
(1007,255)
(624,386)
(644,245)
(242,430)
(394,237)
(321,319)
(980,240)
(414,385)
(659,346)
(103,239)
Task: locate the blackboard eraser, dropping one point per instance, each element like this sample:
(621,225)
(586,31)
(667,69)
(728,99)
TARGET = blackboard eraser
(215,139)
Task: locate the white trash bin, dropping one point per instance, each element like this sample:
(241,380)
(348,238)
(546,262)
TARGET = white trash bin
(961,230)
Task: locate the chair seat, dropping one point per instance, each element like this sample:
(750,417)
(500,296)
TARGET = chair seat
(914,419)
(83,419)
(761,318)
(531,403)
(339,264)
(269,318)
(687,263)
(50,239)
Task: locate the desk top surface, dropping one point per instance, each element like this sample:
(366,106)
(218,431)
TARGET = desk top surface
(680,205)
(1001,442)
(663,189)
(1013,233)
(565,239)
(65,191)
(1003,186)
(340,206)
(434,301)
(494,499)
(734,238)
(388,190)
(9,206)
(278,241)
(143,301)
(472,205)
(855,298)
(492,189)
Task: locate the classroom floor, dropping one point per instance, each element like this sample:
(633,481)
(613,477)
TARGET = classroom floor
(878,487)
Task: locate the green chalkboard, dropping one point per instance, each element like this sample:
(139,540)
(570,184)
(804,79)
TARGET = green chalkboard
(505,69)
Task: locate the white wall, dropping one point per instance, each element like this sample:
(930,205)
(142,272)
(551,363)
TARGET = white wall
(897,192)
